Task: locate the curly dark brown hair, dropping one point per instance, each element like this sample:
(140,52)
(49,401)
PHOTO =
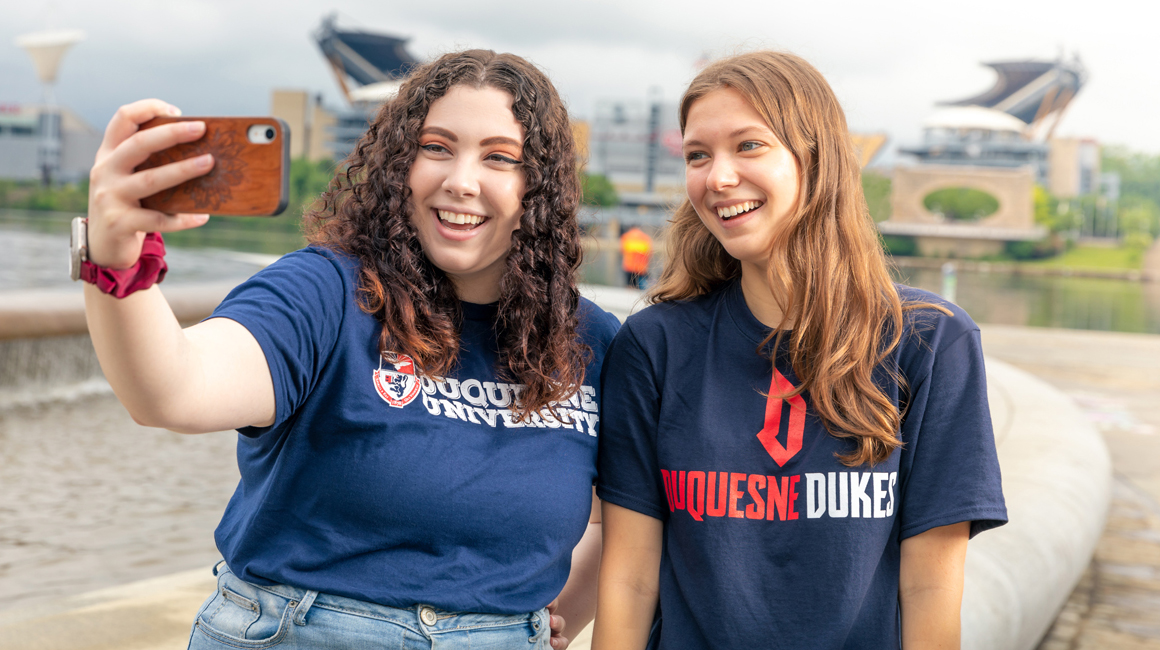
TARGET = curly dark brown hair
(366,213)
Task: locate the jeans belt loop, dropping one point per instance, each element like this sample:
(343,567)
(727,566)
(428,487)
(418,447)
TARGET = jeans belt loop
(304,606)
(218,567)
(541,621)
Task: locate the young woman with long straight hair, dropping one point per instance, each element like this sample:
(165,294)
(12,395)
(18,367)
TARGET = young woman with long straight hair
(796,450)
(416,392)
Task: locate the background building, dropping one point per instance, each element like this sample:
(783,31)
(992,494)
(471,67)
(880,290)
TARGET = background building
(21,139)
(637,146)
(46,142)
(311,124)
(368,68)
(1000,144)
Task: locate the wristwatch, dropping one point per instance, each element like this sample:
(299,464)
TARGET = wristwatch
(78,247)
(149,269)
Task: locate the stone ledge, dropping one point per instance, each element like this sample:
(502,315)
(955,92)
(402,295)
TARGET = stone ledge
(61,312)
(1057,480)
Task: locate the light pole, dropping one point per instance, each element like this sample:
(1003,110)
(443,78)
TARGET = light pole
(47,49)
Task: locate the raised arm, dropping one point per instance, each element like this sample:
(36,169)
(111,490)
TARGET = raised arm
(209,377)
(930,587)
(629,579)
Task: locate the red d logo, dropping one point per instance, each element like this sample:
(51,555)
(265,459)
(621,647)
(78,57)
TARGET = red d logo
(774,406)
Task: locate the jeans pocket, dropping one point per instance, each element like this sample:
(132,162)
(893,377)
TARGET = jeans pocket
(236,620)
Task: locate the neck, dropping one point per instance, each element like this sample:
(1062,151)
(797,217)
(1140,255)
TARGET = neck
(759,295)
(476,289)
(475,294)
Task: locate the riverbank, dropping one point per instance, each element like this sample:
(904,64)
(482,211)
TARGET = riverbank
(1056,267)
(1145,274)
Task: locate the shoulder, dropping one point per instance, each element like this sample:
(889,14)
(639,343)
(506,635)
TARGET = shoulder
(934,319)
(597,325)
(931,325)
(312,277)
(316,259)
(675,318)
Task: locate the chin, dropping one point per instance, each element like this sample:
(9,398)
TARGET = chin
(741,253)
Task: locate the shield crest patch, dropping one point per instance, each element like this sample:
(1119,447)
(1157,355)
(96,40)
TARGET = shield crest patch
(397,383)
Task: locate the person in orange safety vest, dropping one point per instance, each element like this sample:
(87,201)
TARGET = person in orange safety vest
(635,249)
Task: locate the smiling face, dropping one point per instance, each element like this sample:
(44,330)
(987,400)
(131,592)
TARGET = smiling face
(740,178)
(467,187)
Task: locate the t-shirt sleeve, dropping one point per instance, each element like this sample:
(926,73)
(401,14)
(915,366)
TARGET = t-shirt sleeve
(630,409)
(293,308)
(954,469)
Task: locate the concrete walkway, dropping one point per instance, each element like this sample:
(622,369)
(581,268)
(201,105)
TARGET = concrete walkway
(1115,380)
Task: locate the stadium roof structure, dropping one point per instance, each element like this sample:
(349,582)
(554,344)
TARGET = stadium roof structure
(973,117)
(1036,92)
(360,59)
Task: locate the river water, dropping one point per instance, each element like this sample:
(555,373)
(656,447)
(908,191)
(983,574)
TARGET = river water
(1009,299)
(90,499)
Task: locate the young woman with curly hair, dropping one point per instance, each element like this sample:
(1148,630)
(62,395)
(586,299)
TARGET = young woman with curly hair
(796,449)
(416,391)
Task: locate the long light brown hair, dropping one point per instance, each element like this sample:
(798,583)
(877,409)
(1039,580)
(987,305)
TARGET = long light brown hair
(827,268)
(366,213)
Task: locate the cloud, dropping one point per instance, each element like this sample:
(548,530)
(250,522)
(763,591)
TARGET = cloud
(888,62)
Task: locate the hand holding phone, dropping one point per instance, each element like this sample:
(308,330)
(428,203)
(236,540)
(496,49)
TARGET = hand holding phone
(250,176)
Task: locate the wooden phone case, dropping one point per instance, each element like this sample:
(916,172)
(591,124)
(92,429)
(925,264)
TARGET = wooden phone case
(247,179)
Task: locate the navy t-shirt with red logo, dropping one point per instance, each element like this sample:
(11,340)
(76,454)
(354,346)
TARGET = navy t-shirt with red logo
(380,484)
(769,540)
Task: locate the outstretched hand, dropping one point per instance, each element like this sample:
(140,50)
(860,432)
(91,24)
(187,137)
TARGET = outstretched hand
(117,222)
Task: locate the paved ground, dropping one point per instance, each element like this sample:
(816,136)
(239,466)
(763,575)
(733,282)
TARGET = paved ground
(1115,379)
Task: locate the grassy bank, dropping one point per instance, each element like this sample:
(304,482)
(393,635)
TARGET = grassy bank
(1095,257)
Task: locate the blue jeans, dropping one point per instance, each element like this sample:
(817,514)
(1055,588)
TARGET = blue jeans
(241,615)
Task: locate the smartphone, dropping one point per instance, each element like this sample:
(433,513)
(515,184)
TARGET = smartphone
(251,172)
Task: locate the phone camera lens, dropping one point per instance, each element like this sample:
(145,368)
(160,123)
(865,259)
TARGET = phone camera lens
(270,133)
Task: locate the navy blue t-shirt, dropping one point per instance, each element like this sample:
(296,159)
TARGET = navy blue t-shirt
(383,485)
(769,540)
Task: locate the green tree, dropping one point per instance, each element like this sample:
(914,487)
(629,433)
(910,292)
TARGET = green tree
(597,190)
(961,203)
(1047,213)
(1139,172)
(31,195)
(1139,203)
(308,180)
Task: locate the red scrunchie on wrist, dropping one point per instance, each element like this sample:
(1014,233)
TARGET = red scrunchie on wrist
(149,270)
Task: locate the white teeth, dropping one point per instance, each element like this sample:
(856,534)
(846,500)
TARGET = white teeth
(459,218)
(741,208)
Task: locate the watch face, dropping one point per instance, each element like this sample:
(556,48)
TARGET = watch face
(78,247)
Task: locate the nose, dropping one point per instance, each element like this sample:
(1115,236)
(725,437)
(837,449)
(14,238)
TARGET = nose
(462,181)
(722,175)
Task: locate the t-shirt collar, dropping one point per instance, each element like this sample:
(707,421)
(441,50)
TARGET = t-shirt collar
(742,317)
(475,311)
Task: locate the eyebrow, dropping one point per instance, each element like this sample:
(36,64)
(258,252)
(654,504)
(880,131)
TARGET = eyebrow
(487,142)
(499,139)
(440,132)
(739,132)
(747,129)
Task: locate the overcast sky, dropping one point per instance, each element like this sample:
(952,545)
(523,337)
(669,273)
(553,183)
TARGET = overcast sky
(888,61)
